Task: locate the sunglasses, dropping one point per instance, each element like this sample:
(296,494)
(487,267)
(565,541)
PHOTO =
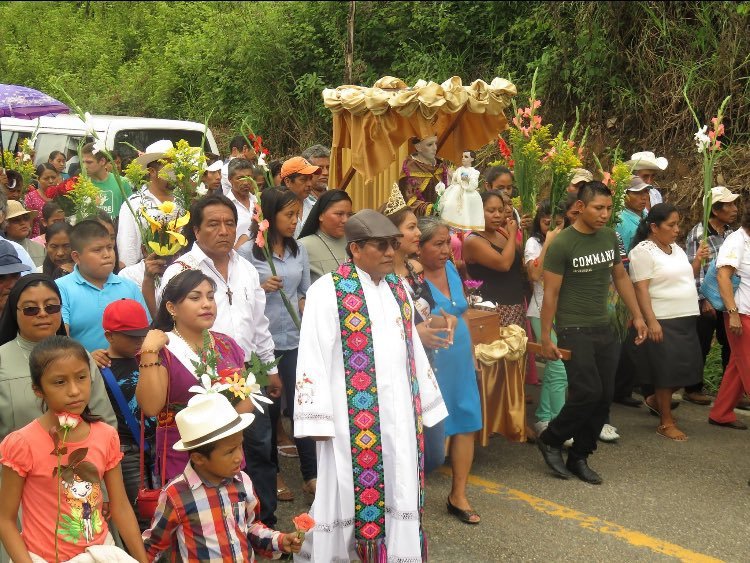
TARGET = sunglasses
(33,311)
(383,244)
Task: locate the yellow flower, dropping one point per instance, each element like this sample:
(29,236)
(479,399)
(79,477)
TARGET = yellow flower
(174,236)
(179,222)
(155,225)
(166,207)
(164,250)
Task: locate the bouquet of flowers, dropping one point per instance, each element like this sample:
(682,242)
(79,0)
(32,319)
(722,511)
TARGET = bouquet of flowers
(261,152)
(527,138)
(165,222)
(472,289)
(236,384)
(183,166)
(135,174)
(708,144)
(24,166)
(77,196)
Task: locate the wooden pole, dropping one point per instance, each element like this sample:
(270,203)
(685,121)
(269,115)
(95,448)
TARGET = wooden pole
(448,130)
(347,178)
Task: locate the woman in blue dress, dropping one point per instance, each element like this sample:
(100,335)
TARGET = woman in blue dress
(454,364)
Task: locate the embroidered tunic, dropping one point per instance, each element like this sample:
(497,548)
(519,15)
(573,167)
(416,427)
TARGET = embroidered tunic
(322,411)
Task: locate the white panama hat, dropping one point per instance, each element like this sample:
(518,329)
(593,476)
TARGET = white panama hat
(154,151)
(207,418)
(647,161)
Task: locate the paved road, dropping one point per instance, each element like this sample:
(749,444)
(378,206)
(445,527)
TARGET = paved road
(661,500)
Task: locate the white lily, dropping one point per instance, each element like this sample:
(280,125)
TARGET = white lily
(207,386)
(89,125)
(702,140)
(262,160)
(201,189)
(98,146)
(253,391)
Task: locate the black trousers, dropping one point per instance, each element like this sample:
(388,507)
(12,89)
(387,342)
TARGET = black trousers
(706,326)
(259,465)
(626,370)
(591,375)
(308,463)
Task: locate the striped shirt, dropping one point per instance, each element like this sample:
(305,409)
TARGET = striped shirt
(210,523)
(715,240)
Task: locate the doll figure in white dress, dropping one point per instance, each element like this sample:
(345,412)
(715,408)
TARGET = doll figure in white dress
(461,205)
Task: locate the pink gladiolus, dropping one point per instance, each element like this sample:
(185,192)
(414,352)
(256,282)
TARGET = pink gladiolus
(260,240)
(717,145)
(263,225)
(519,111)
(720,130)
(580,152)
(712,135)
(517,122)
(571,144)
(536,104)
(525,131)
(607,179)
(527,112)
(536,121)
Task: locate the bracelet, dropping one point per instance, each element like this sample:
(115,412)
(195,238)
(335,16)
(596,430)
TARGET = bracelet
(149,352)
(733,310)
(149,365)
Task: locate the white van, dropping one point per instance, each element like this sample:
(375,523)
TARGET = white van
(63,133)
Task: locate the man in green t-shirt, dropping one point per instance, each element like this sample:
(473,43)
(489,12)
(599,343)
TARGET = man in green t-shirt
(577,270)
(102,178)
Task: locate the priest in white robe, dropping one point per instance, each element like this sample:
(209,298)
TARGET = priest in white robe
(364,390)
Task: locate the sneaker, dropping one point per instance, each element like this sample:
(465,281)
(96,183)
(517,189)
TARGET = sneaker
(608,434)
(541,426)
(568,443)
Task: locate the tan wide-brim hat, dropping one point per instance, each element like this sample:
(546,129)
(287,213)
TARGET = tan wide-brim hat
(155,151)
(647,160)
(208,418)
(16,209)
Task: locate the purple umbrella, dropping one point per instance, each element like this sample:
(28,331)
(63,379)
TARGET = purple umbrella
(26,103)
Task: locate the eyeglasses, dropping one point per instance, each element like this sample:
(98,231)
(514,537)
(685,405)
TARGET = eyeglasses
(383,244)
(33,311)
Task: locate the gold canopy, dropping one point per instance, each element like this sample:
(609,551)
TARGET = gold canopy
(372,126)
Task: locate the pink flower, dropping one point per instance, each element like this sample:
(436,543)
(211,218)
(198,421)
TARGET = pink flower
(527,112)
(717,145)
(720,130)
(263,225)
(473,284)
(536,121)
(536,104)
(260,240)
(607,178)
(67,420)
(525,131)
(517,122)
(712,135)
(519,111)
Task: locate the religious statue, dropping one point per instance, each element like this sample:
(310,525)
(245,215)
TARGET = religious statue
(461,205)
(423,176)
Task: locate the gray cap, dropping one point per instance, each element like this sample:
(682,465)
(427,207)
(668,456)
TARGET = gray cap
(369,224)
(638,185)
(10,263)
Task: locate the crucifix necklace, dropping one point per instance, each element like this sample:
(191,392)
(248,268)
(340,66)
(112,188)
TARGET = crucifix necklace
(229,294)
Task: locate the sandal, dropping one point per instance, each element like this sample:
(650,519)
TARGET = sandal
(292,450)
(284,494)
(653,409)
(463,515)
(310,487)
(672,432)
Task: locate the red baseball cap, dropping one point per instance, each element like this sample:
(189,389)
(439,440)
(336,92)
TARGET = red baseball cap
(126,316)
(298,165)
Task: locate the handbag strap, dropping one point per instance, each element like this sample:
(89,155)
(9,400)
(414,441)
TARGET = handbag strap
(142,460)
(127,414)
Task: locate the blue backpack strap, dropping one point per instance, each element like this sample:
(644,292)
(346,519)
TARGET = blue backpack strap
(122,404)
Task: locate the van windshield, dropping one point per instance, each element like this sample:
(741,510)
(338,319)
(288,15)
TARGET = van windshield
(142,138)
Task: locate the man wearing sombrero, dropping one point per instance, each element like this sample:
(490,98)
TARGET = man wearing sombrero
(646,165)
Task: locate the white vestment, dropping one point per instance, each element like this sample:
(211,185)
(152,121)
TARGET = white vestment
(461,205)
(322,411)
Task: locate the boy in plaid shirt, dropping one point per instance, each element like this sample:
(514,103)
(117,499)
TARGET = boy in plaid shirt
(209,512)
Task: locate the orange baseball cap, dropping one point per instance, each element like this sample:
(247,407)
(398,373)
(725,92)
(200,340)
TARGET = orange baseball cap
(298,165)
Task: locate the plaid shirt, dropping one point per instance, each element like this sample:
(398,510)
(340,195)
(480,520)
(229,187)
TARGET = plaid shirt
(694,239)
(212,524)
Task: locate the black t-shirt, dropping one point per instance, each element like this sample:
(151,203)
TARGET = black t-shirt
(125,371)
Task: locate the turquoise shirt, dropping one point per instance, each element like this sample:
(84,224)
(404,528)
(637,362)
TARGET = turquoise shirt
(629,221)
(83,305)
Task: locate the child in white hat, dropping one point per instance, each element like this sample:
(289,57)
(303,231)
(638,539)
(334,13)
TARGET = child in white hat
(208,513)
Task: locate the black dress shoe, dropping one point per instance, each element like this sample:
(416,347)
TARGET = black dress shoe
(629,402)
(554,459)
(581,469)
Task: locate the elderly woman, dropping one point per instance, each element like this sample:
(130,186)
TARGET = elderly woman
(323,233)
(734,258)
(663,281)
(454,362)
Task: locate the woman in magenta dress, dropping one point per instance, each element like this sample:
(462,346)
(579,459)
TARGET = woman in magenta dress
(166,366)
(47,175)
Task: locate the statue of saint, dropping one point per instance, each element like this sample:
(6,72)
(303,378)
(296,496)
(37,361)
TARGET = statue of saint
(423,176)
(461,205)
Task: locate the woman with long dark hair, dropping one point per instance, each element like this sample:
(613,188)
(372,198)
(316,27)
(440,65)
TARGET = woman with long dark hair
(281,208)
(170,354)
(46,176)
(664,285)
(323,233)
(57,262)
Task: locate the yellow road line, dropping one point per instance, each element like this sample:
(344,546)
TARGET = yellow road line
(633,537)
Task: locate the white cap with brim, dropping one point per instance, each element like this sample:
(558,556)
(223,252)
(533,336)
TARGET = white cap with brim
(637,185)
(155,151)
(720,194)
(215,167)
(207,418)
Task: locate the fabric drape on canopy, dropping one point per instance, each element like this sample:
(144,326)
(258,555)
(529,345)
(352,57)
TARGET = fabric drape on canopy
(376,123)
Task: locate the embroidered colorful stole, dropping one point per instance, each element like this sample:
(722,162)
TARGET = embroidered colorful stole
(364,413)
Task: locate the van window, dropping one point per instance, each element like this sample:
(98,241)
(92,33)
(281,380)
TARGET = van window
(48,142)
(142,138)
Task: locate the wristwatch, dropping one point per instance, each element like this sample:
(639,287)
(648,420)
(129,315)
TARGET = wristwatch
(732,310)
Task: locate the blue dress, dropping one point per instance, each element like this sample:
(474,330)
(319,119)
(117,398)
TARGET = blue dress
(454,366)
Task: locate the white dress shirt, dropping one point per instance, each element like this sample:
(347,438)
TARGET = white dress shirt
(241,316)
(244,214)
(307,206)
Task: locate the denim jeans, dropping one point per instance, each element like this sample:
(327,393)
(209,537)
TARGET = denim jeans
(305,446)
(554,380)
(591,373)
